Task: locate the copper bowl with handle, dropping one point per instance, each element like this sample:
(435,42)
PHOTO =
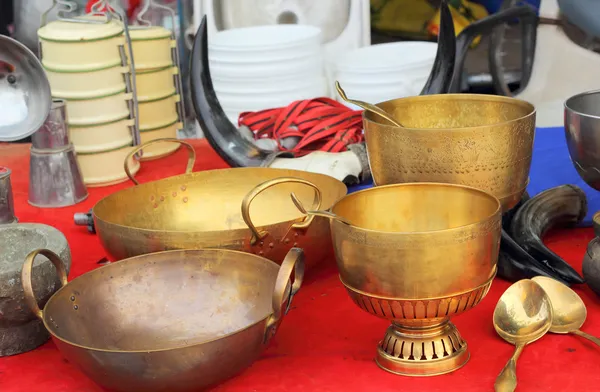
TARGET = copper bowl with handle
(247,209)
(173,321)
(482,141)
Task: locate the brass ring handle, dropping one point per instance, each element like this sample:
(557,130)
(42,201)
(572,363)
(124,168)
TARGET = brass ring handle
(283,293)
(190,148)
(256,235)
(26,277)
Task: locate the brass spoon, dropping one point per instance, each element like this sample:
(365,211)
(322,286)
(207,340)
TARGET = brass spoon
(324,214)
(522,316)
(567,307)
(367,106)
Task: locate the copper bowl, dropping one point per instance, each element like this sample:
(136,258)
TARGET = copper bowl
(482,141)
(174,321)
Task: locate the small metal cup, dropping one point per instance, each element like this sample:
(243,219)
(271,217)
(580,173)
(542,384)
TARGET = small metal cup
(55,178)
(54,134)
(7,210)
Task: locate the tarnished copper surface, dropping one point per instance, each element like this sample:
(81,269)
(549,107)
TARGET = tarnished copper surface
(174,321)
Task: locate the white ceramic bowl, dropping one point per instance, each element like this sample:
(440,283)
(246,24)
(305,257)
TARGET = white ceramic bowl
(241,103)
(309,65)
(264,56)
(254,40)
(260,90)
(389,56)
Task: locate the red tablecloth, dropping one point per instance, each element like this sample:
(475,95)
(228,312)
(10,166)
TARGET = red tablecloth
(326,343)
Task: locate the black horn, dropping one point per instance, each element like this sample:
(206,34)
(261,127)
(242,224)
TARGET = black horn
(223,136)
(440,77)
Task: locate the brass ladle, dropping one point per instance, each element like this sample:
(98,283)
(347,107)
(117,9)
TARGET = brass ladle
(567,307)
(522,315)
(367,106)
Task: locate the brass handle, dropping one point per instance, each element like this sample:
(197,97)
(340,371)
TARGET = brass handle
(587,336)
(256,235)
(26,277)
(283,294)
(191,155)
(323,214)
(507,379)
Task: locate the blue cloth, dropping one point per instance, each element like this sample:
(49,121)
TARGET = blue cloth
(550,166)
(493,6)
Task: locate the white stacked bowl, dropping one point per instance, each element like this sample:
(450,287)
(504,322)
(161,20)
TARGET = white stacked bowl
(263,67)
(385,71)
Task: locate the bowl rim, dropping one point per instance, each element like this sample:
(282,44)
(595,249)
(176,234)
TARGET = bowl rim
(579,96)
(455,97)
(52,331)
(204,175)
(487,218)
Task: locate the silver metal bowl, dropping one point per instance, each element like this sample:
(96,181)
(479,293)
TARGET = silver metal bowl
(582,129)
(25,95)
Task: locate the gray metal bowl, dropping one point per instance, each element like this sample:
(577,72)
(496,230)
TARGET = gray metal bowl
(22,73)
(582,129)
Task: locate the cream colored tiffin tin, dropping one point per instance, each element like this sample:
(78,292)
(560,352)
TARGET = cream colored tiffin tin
(87,84)
(157,72)
(158,113)
(80,46)
(151,47)
(104,137)
(86,65)
(156,83)
(160,150)
(100,110)
(106,167)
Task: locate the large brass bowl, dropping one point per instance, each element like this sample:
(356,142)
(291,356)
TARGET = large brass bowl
(482,141)
(173,321)
(417,254)
(247,209)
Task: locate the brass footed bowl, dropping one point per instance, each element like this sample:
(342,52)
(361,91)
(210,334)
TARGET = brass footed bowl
(482,141)
(418,254)
(174,321)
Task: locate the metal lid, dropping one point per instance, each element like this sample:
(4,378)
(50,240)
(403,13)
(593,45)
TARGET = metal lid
(70,31)
(25,96)
(138,33)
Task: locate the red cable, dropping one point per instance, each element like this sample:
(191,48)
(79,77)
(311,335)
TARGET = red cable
(322,124)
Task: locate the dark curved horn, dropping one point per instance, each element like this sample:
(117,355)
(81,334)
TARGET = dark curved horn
(440,77)
(222,135)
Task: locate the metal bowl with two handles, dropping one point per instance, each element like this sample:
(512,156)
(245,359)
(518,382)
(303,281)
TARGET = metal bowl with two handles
(246,209)
(174,321)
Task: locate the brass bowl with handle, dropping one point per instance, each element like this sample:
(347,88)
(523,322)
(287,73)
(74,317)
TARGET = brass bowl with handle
(247,209)
(482,141)
(173,321)
(417,254)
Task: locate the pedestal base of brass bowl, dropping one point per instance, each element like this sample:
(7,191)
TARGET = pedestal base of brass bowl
(421,340)
(427,351)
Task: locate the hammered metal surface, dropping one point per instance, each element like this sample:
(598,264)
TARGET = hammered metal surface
(203,210)
(481,141)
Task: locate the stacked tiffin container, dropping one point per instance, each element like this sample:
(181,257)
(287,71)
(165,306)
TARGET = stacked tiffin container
(158,85)
(86,64)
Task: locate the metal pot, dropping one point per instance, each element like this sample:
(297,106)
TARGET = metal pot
(173,321)
(582,129)
(246,209)
(482,141)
